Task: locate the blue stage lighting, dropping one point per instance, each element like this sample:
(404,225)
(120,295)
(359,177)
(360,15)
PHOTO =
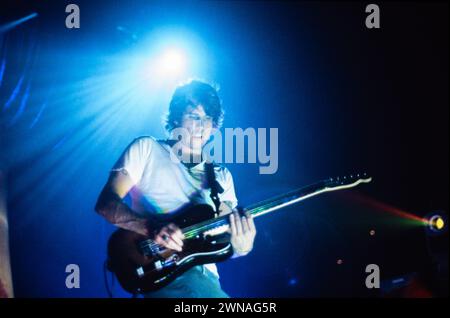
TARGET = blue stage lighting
(8,26)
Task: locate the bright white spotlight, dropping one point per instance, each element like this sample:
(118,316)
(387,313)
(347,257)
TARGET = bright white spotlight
(172,62)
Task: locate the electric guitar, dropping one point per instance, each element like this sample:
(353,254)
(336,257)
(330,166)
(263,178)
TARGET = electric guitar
(141,265)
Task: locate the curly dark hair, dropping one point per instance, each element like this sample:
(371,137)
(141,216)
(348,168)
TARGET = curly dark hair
(193,94)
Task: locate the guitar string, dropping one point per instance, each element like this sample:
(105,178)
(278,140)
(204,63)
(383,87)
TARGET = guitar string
(253,210)
(260,206)
(194,230)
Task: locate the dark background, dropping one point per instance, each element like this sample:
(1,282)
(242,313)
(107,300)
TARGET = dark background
(344,98)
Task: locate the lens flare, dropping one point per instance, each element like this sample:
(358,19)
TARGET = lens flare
(384,207)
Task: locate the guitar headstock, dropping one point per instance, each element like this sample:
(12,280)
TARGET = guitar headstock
(348,181)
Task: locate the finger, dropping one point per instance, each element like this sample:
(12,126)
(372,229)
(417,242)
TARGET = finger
(238,224)
(176,233)
(177,240)
(181,234)
(165,239)
(174,245)
(232,224)
(245,227)
(251,224)
(162,236)
(174,228)
(160,241)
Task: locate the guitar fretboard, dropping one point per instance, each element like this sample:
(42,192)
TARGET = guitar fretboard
(278,202)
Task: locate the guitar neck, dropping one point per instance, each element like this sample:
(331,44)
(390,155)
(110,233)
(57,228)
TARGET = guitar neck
(301,194)
(275,203)
(281,201)
(256,210)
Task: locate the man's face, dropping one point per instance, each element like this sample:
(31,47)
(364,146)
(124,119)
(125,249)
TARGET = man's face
(198,125)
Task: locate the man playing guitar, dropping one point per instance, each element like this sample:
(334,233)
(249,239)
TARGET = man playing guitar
(159,185)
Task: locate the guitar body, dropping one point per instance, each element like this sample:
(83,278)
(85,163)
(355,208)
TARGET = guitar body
(141,265)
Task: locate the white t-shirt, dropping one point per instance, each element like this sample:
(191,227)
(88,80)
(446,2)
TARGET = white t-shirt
(164,185)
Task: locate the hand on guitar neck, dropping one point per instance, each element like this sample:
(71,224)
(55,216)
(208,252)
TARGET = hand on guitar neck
(242,229)
(243,232)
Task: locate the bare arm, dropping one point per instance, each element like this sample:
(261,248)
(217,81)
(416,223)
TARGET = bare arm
(111,207)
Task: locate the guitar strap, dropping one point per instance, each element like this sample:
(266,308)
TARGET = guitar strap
(213,184)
